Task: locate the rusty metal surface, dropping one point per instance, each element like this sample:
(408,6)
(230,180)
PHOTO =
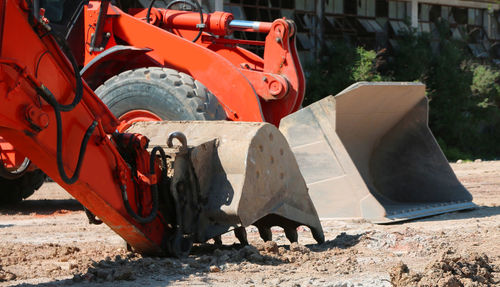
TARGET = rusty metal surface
(247,175)
(368,153)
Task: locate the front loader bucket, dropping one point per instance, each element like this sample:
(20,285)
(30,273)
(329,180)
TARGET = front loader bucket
(247,174)
(368,153)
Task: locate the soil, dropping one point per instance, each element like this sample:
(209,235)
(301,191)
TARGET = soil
(47,240)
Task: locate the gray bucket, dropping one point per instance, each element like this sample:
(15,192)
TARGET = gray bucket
(368,153)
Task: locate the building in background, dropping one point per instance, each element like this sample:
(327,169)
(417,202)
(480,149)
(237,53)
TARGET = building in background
(373,23)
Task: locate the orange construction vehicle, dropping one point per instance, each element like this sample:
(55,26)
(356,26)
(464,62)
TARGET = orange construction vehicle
(365,153)
(159,198)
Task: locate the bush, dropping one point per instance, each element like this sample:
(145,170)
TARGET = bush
(485,85)
(339,67)
(364,67)
(412,59)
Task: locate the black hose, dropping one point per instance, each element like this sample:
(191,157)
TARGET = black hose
(148,13)
(195,5)
(152,160)
(34,8)
(38,62)
(154,189)
(78,80)
(49,97)
(83,148)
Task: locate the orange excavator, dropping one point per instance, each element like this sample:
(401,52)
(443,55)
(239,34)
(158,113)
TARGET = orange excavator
(365,153)
(160,192)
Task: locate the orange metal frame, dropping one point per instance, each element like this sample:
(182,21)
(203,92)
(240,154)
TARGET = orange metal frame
(249,87)
(31,61)
(9,157)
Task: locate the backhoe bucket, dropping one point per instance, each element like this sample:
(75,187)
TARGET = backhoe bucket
(368,153)
(247,175)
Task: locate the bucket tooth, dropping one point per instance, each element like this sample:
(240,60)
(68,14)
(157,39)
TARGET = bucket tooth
(291,234)
(265,233)
(246,174)
(368,153)
(241,235)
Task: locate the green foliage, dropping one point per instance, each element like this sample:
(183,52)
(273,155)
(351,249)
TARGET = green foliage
(453,153)
(448,87)
(412,59)
(364,67)
(330,75)
(340,67)
(464,94)
(485,85)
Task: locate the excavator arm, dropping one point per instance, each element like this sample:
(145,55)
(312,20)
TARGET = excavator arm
(159,199)
(52,116)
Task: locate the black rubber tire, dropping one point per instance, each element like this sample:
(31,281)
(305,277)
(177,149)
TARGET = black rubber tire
(15,190)
(169,94)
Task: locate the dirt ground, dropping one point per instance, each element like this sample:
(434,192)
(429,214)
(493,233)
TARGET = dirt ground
(47,240)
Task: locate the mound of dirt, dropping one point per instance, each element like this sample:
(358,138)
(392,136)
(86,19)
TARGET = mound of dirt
(450,270)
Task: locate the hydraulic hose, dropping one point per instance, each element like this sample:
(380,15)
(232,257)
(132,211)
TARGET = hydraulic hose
(49,97)
(154,188)
(78,80)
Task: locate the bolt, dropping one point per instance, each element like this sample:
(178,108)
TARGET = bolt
(275,88)
(43,119)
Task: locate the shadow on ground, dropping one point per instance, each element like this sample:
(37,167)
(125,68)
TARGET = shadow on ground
(41,207)
(342,241)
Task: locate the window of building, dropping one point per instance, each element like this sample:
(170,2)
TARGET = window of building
(435,13)
(474,17)
(399,10)
(371,26)
(399,27)
(350,7)
(445,13)
(366,8)
(424,12)
(334,6)
(300,4)
(286,4)
(460,15)
(393,10)
(490,24)
(305,5)
(382,8)
(287,13)
(275,3)
(237,12)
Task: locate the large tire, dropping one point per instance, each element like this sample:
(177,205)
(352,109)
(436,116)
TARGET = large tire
(169,94)
(14,190)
